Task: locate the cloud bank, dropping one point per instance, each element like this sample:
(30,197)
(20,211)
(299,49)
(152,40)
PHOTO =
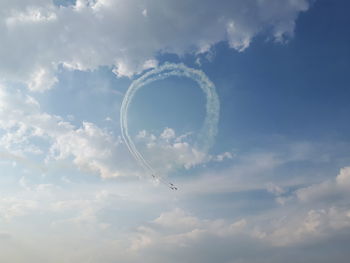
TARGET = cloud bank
(86,227)
(38,36)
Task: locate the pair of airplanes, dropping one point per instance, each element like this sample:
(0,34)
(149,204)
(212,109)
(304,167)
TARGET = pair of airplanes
(170,185)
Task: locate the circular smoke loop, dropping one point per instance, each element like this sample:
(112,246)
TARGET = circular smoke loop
(206,135)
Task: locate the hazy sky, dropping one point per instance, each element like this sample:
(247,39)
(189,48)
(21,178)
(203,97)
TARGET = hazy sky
(274,187)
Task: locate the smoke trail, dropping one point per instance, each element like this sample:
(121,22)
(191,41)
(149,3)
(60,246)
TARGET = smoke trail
(206,136)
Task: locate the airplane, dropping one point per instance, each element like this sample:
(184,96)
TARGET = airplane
(171,185)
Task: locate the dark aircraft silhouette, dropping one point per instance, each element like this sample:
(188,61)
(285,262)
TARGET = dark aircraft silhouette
(170,185)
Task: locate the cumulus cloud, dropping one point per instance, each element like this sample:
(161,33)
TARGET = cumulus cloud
(168,133)
(221,157)
(38,36)
(275,189)
(178,228)
(92,148)
(327,190)
(168,152)
(41,80)
(312,226)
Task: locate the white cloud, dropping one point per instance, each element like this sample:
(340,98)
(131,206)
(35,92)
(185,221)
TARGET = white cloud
(91,216)
(275,189)
(310,214)
(37,36)
(168,152)
(178,228)
(168,133)
(311,226)
(221,157)
(248,172)
(13,207)
(92,148)
(177,218)
(343,179)
(327,190)
(41,80)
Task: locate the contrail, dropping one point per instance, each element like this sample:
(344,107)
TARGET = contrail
(206,136)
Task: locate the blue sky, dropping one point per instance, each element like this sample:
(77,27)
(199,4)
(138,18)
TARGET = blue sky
(274,186)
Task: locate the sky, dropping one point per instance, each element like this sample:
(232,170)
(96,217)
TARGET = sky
(271,185)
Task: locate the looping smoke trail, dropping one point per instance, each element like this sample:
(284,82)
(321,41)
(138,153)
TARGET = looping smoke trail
(208,131)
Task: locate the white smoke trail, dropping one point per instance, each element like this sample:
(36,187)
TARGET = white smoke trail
(206,136)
